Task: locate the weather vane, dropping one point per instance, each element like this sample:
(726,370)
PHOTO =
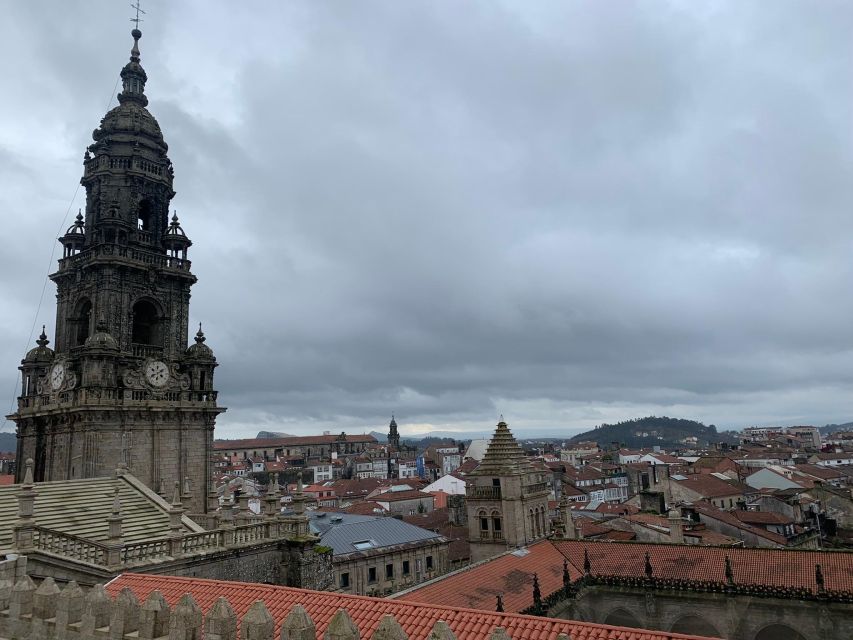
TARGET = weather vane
(137,19)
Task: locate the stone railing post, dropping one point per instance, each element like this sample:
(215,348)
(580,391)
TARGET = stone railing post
(125,615)
(96,611)
(26,507)
(114,541)
(298,625)
(257,624)
(154,617)
(69,609)
(221,622)
(341,627)
(176,526)
(186,621)
(273,499)
(389,629)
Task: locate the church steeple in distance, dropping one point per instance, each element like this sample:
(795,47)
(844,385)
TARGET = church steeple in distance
(393,436)
(121,388)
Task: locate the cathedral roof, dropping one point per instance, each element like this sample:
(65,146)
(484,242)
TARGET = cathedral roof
(503,455)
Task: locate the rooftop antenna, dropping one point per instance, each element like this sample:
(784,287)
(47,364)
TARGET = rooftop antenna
(137,19)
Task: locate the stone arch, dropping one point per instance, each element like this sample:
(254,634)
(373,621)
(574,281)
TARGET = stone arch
(621,617)
(81,322)
(779,631)
(696,625)
(483,519)
(147,328)
(145,215)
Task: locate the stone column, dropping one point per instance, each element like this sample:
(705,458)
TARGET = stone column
(676,526)
(26,506)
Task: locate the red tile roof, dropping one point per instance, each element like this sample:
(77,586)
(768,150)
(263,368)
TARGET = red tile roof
(251,443)
(512,576)
(416,620)
(753,566)
(4,480)
(509,575)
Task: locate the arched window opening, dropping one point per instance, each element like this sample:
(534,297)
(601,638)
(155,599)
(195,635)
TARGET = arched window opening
(146,215)
(80,324)
(496,523)
(146,329)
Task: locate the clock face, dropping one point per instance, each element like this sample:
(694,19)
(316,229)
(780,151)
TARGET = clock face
(157,373)
(57,376)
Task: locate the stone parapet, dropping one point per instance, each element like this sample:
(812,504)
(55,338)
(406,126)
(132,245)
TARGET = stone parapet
(45,613)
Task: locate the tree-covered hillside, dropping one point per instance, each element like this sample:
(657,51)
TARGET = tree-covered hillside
(651,431)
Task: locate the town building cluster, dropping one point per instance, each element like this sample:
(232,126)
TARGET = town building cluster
(117,479)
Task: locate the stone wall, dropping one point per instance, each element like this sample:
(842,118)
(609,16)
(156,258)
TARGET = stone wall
(730,616)
(48,613)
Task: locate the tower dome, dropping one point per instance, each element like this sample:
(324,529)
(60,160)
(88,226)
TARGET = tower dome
(101,340)
(200,351)
(75,237)
(41,352)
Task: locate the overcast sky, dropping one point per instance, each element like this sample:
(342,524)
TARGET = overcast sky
(562,212)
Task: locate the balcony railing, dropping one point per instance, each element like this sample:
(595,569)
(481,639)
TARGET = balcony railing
(125,397)
(65,544)
(146,350)
(485,493)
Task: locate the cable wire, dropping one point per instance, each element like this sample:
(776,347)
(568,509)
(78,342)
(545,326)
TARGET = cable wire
(14,394)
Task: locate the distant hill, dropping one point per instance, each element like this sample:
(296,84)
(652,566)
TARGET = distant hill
(380,437)
(273,434)
(651,431)
(8,442)
(832,428)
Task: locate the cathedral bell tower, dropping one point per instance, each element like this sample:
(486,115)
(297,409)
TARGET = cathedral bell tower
(120,387)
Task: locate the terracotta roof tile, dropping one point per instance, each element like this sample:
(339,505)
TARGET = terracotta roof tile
(416,619)
(477,585)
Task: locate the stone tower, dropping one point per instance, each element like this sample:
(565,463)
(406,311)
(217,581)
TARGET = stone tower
(121,388)
(507,499)
(393,437)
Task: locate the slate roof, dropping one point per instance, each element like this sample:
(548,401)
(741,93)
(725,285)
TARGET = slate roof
(416,619)
(81,507)
(340,530)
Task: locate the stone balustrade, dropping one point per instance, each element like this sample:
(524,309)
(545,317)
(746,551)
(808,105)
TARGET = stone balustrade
(47,612)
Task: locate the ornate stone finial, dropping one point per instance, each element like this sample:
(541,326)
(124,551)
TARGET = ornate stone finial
(587,565)
(199,337)
(42,341)
(299,482)
(79,218)
(730,576)
(176,496)
(274,488)
(648,567)
(28,474)
(818,578)
(116,503)
(567,577)
(537,595)
(499,605)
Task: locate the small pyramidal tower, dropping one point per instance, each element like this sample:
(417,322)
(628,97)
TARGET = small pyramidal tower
(507,498)
(120,386)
